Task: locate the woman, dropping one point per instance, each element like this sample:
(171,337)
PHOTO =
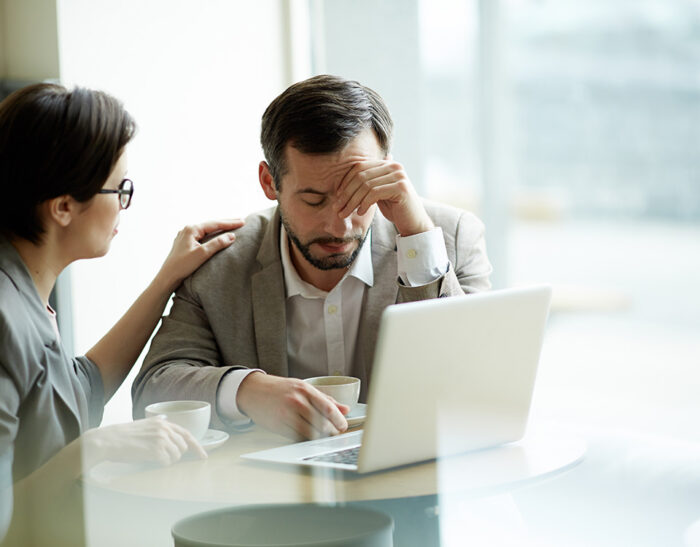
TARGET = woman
(63,182)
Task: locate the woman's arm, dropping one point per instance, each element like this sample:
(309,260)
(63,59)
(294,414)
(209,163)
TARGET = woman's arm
(48,505)
(151,440)
(118,350)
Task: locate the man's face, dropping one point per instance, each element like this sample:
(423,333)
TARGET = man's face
(320,236)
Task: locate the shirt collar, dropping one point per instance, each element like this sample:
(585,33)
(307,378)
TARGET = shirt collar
(360,269)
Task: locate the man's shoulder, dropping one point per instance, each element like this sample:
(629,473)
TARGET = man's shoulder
(441,213)
(448,217)
(241,255)
(454,220)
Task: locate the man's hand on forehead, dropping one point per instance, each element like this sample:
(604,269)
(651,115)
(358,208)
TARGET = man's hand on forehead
(385,183)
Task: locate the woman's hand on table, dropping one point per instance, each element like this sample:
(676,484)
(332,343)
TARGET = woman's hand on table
(151,440)
(189,252)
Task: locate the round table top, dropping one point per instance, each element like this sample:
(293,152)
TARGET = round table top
(226,478)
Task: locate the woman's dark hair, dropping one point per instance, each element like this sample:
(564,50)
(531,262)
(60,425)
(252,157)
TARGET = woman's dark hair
(319,116)
(55,142)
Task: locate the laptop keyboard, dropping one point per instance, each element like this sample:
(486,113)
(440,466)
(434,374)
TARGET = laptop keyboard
(347,455)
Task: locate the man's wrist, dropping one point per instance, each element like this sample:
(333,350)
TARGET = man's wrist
(245,394)
(227,396)
(416,227)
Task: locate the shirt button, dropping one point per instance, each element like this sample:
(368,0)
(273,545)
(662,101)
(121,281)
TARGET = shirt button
(332,309)
(411,253)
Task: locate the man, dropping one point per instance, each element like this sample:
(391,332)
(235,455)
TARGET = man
(301,291)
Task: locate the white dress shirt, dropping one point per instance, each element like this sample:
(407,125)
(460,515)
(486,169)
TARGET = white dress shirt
(322,326)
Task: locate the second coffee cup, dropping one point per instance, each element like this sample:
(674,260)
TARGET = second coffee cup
(344,389)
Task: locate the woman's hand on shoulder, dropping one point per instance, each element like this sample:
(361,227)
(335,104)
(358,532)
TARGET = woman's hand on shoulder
(151,440)
(193,246)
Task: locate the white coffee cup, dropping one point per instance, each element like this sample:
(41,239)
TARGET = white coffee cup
(192,415)
(344,389)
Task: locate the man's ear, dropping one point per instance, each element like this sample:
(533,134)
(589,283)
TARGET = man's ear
(60,210)
(267,183)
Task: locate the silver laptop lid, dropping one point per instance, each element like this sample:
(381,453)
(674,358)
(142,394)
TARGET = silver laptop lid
(452,375)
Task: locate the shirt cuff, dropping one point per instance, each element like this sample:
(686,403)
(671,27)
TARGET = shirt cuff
(226,397)
(422,258)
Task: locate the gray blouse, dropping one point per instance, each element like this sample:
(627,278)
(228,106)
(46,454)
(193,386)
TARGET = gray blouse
(47,398)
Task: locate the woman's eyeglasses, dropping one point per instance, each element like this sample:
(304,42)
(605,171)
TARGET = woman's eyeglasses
(125,191)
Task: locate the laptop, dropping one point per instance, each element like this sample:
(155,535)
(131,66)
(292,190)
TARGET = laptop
(450,375)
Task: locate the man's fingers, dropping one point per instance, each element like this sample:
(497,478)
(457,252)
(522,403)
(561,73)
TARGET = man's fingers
(359,175)
(328,409)
(354,201)
(365,167)
(344,409)
(312,423)
(349,176)
(324,426)
(379,193)
(357,190)
(300,428)
(291,432)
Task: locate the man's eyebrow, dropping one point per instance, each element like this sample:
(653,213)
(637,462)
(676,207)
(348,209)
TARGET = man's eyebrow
(311,191)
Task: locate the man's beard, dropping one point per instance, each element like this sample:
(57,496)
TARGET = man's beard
(332,262)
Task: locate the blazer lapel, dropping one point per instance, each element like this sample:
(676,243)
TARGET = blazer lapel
(269,306)
(382,294)
(52,356)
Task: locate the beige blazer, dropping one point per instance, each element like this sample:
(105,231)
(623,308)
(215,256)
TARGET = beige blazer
(231,312)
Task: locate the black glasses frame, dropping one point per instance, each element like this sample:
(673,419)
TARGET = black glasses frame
(124,193)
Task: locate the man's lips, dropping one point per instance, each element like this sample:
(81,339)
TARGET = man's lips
(336,248)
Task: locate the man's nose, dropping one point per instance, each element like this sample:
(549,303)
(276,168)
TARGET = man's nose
(338,227)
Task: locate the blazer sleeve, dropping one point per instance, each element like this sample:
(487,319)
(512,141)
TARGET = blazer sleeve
(469,268)
(9,424)
(10,400)
(91,381)
(183,361)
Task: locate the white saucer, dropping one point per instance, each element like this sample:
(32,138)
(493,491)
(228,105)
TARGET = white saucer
(357,415)
(213,438)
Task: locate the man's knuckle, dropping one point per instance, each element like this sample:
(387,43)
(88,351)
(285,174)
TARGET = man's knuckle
(296,403)
(297,385)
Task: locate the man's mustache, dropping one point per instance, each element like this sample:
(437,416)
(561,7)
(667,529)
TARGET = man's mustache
(335,240)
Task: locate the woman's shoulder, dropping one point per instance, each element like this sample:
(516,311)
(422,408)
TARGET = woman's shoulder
(19,339)
(10,297)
